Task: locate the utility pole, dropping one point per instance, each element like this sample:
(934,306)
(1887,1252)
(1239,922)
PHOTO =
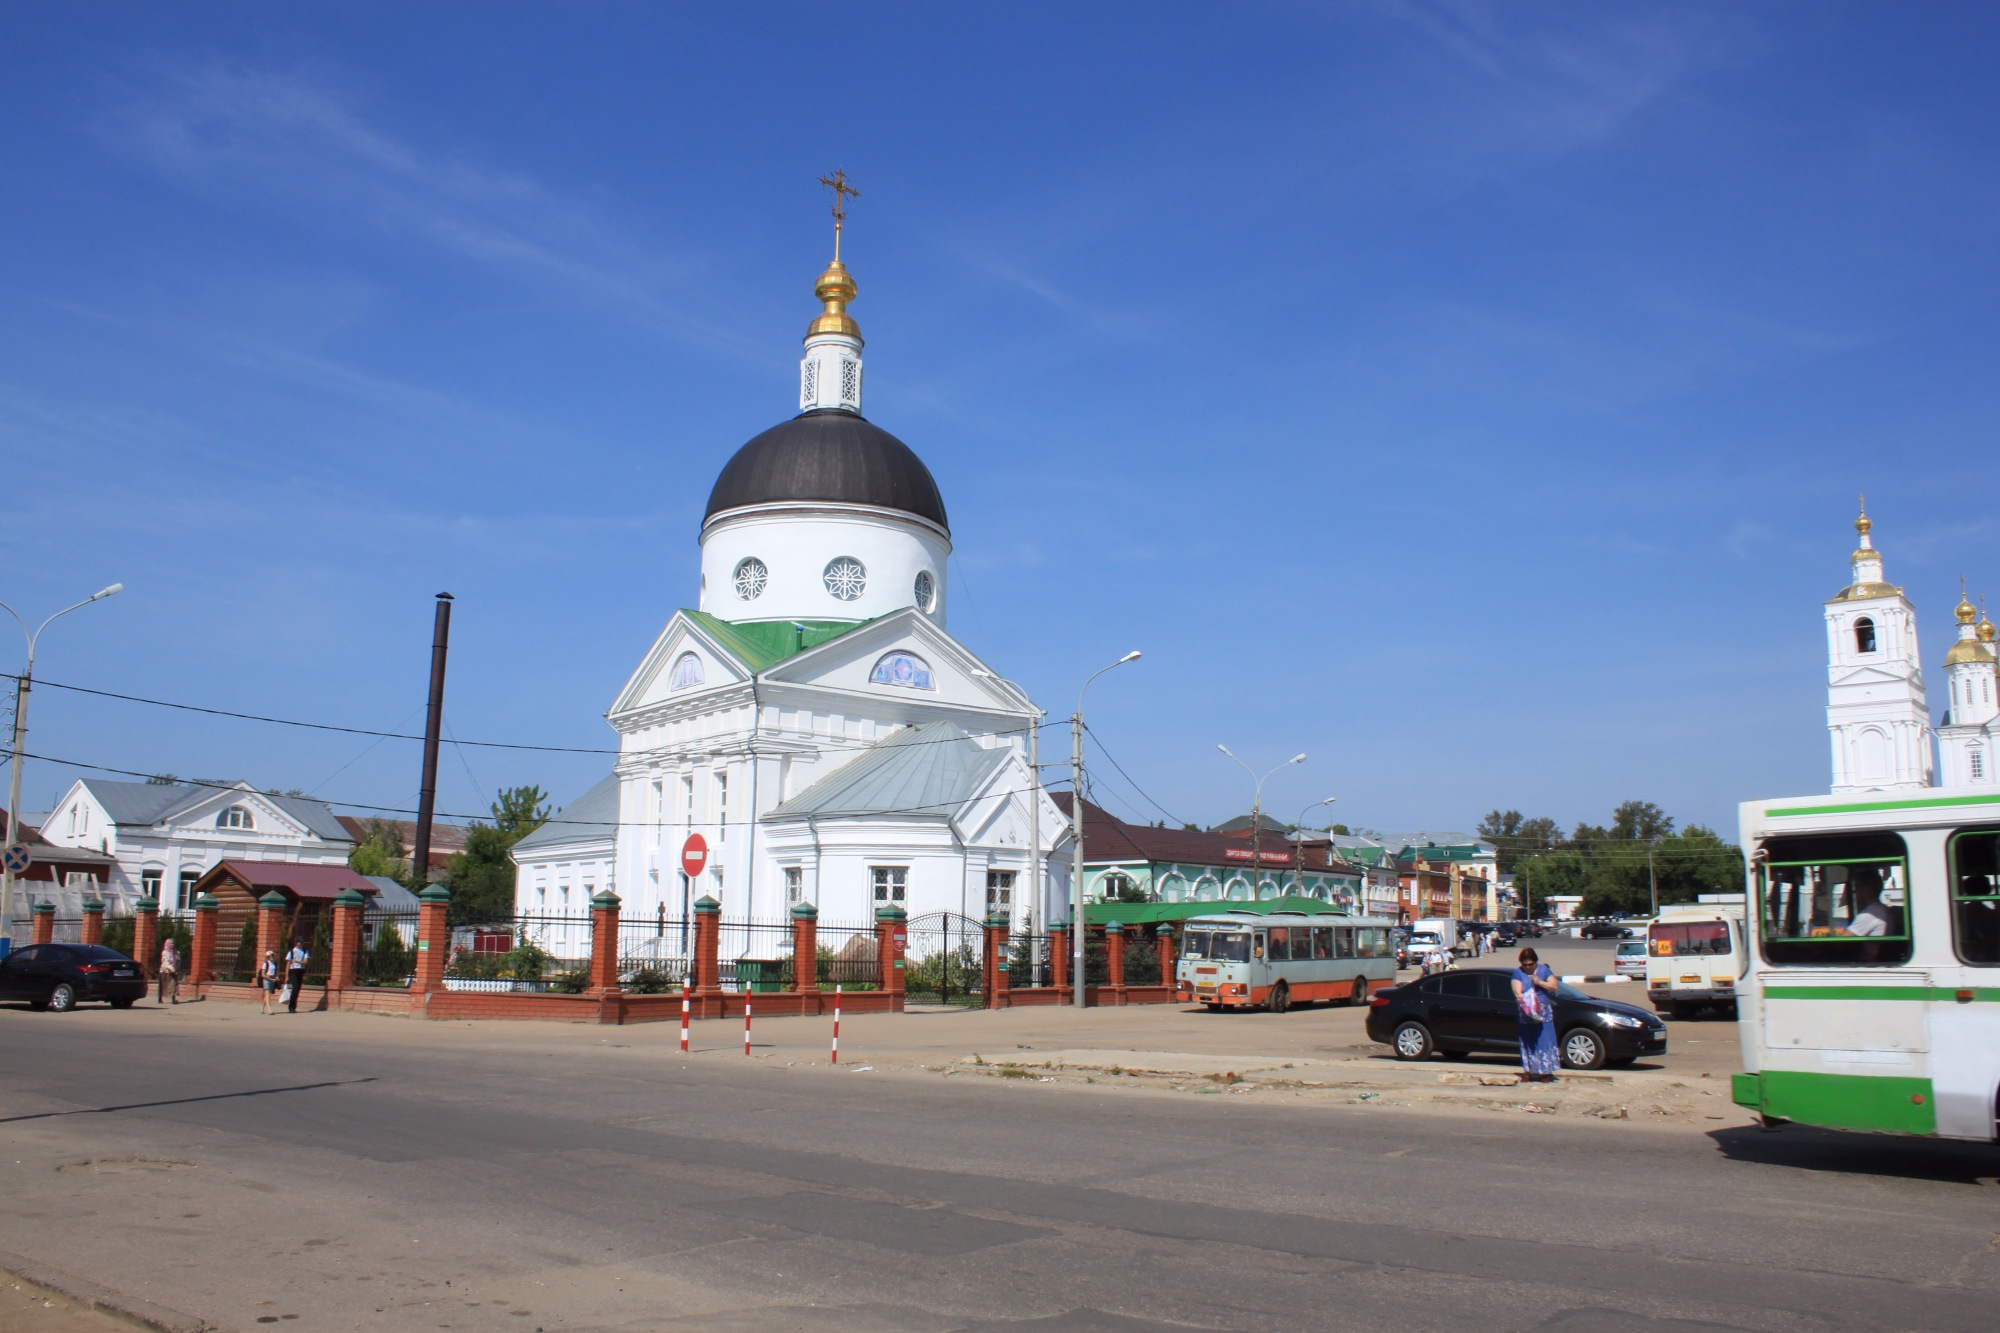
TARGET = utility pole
(1652,879)
(1037,882)
(1077,932)
(420,851)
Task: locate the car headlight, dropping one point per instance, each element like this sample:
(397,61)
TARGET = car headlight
(1624,1021)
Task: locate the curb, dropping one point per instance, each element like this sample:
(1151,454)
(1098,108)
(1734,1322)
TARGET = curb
(147,1314)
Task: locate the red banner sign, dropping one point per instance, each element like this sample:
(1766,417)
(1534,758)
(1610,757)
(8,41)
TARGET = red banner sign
(1263,858)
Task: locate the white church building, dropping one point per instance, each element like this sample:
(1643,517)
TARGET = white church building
(811,719)
(1876,713)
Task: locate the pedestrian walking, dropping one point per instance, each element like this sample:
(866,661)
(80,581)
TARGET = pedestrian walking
(1534,987)
(170,972)
(267,979)
(295,973)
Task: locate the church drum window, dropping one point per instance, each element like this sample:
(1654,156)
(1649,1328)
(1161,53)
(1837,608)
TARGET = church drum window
(850,382)
(751,576)
(846,578)
(892,884)
(687,672)
(904,669)
(809,386)
(1864,635)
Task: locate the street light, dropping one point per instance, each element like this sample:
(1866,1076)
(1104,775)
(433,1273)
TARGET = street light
(1300,843)
(1076,929)
(20,735)
(1257,810)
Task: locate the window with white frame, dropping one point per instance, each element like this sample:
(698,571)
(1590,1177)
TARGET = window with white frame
(687,798)
(150,882)
(185,900)
(721,797)
(659,798)
(892,883)
(999,890)
(1977,759)
(235,816)
(795,885)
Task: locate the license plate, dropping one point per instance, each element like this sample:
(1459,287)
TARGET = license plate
(1204,985)
(124,972)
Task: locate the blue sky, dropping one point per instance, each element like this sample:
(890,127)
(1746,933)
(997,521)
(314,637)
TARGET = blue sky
(1472,396)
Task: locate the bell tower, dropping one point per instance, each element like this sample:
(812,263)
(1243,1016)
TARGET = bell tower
(1965,737)
(1876,716)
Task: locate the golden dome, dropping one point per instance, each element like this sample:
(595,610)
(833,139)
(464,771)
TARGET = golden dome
(835,288)
(1985,629)
(1966,613)
(1968,650)
(1863,524)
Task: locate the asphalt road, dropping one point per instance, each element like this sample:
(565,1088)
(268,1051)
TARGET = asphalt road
(344,1171)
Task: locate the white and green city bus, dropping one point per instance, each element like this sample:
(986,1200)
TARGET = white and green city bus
(1873,998)
(1274,960)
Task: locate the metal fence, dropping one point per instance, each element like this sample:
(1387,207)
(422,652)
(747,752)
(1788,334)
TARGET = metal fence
(386,954)
(654,953)
(1028,960)
(944,959)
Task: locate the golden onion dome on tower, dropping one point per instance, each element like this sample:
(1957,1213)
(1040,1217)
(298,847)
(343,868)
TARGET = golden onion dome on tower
(1966,612)
(1968,650)
(835,289)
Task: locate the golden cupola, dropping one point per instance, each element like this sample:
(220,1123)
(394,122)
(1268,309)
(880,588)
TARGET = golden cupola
(830,372)
(1867,561)
(1975,640)
(835,289)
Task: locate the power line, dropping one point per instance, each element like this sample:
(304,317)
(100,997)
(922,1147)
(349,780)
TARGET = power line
(1102,749)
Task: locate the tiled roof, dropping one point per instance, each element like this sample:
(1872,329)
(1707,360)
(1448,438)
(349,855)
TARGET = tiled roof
(1109,838)
(304,881)
(145,803)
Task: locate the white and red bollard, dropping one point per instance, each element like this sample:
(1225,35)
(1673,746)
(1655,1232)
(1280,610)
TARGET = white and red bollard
(684,1021)
(746,1027)
(836,1022)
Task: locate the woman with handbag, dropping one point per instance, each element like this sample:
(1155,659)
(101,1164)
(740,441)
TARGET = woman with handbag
(1534,991)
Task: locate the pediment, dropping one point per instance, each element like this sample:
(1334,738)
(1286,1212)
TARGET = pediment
(918,663)
(683,650)
(1868,675)
(266,816)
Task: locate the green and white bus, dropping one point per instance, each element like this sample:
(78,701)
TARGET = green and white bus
(1274,960)
(1873,998)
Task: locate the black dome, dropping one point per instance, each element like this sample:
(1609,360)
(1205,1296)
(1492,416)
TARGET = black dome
(832,456)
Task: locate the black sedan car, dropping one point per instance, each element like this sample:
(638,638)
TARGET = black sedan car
(1604,930)
(1473,1009)
(60,976)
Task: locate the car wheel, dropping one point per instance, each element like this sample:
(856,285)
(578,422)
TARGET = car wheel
(122,1004)
(1281,998)
(1582,1049)
(1411,1041)
(62,997)
(1360,993)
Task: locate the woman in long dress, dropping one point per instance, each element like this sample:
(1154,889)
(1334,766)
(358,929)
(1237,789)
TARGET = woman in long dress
(1535,1007)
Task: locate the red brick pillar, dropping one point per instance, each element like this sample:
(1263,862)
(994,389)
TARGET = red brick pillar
(996,961)
(891,933)
(433,939)
(270,933)
(604,943)
(1114,958)
(706,984)
(347,909)
(805,956)
(44,915)
(1059,961)
(93,921)
(146,935)
(1163,944)
(201,949)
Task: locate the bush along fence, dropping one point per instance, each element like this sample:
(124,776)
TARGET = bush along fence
(607,970)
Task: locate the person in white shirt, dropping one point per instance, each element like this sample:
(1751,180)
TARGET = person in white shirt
(1872,918)
(295,974)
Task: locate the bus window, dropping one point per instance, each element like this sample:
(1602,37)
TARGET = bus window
(1838,899)
(1322,941)
(1194,944)
(1281,944)
(1344,942)
(1368,942)
(1975,895)
(1224,946)
(1690,939)
(1257,945)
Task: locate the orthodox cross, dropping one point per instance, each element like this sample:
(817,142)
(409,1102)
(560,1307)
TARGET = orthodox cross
(842,192)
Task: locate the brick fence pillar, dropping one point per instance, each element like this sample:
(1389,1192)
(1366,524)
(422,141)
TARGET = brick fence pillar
(347,908)
(1163,944)
(1059,960)
(201,949)
(891,934)
(433,939)
(93,921)
(604,943)
(270,932)
(805,956)
(146,935)
(1114,959)
(996,961)
(44,916)
(706,983)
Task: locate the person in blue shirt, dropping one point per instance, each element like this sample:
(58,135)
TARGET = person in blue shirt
(295,974)
(1535,1005)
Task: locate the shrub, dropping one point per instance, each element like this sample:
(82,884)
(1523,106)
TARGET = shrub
(649,981)
(573,982)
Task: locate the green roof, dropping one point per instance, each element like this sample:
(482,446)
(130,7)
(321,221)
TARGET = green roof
(761,645)
(1131,914)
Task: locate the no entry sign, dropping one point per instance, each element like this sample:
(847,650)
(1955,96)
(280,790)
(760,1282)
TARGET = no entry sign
(694,856)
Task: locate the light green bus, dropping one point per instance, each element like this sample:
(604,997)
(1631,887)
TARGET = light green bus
(1872,1000)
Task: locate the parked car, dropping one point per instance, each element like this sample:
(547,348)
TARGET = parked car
(1604,930)
(1630,959)
(60,976)
(1505,937)
(1473,1009)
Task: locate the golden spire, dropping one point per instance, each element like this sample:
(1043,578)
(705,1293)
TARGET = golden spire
(835,287)
(1862,524)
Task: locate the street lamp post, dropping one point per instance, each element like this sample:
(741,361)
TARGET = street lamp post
(1076,930)
(1257,810)
(21,688)
(1299,844)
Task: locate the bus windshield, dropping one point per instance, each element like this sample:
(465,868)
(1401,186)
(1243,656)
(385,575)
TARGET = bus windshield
(1689,939)
(1224,946)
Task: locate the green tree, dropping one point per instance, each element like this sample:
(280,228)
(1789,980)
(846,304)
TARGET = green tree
(481,878)
(1515,837)
(1640,821)
(380,852)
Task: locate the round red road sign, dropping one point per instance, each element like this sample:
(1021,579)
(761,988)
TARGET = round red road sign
(694,855)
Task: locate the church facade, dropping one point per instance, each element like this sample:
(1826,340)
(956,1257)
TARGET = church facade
(1877,715)
(810,724)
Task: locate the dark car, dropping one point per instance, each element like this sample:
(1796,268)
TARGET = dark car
(1604,930)
(60,976)
(1505,938)
(1473,1009)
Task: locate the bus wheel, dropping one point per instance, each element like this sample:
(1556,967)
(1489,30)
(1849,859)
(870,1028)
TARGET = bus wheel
(1281,998)
(1360,995)
(1582,1049)
(1411,1041)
